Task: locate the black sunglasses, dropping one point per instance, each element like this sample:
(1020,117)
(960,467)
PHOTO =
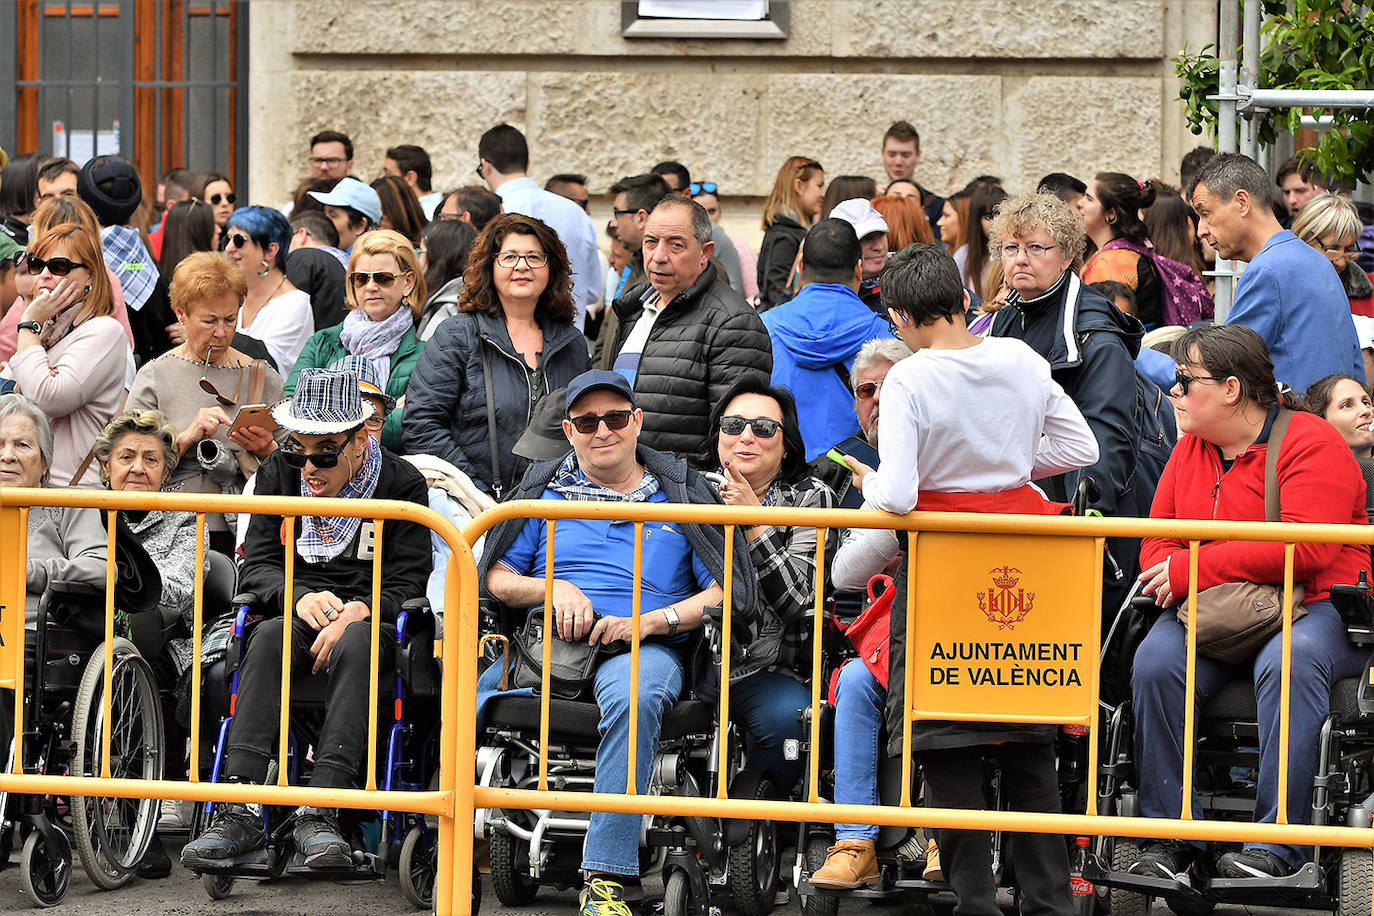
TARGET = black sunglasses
(227,198)
(58,267)
(589,423)
(238,240)
(764,428)
(322,460)
(702,187)
(1183,380)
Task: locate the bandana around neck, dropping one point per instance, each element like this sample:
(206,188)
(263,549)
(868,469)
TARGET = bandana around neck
(322,539)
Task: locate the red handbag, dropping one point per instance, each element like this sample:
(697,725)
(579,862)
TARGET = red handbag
(869,633)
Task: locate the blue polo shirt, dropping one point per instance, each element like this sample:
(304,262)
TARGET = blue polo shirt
(597,555)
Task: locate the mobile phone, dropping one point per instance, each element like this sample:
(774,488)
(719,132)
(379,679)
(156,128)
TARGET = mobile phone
(836,456)
(259,415)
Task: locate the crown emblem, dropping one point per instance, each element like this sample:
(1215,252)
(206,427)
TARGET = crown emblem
(1004,604)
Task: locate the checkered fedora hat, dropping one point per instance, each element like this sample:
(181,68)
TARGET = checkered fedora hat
(326,401)
(369,382)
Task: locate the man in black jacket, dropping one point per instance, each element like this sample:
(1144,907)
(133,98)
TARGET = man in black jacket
(689,337)
(327,453)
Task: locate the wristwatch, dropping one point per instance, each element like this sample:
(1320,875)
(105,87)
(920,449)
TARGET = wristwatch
(33,326)
(670,615)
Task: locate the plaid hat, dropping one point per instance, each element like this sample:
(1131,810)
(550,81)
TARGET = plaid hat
(599,380)
(369,382)
(113,207)
(544,438)
(326,401)
(350,192)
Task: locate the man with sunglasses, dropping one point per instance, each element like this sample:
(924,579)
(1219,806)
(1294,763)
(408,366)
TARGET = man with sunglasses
(683,568)
(327,453)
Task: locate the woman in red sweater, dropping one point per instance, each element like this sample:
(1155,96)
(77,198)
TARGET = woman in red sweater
(1226,402)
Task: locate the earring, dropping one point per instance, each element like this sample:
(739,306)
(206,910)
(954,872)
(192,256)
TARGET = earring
(405,302)
(266,268)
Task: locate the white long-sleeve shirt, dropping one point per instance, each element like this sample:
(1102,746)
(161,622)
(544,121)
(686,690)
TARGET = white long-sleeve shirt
(983,419)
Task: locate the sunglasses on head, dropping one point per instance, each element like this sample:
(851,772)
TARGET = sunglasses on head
(867,390)
(227,198)
(322,460)
(589,423)
(764,428)
(237,240)
(58,267)
(702,187)
(383,278)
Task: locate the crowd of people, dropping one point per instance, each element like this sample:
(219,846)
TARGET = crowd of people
(384,340)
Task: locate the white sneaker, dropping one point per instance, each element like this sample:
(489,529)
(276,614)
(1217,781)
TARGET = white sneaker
(169,815)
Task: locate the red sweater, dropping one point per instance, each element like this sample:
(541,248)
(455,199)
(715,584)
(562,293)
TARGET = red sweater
(1319,481)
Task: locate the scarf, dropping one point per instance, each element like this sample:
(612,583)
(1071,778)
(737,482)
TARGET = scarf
(126,256)
(375,341)
(60,325)
(323,539)
(570,483)
(1356,281)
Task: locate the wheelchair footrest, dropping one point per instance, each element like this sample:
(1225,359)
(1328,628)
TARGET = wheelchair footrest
(1097,873)
(366,866)
(1306,880)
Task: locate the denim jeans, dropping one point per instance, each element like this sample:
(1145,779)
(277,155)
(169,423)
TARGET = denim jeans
(1321,656)
(767,706)
(613,839)
(859,700)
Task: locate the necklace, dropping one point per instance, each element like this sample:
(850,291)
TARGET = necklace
(272,295)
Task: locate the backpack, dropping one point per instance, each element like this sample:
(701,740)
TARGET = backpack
(1183,297)
(1157,430)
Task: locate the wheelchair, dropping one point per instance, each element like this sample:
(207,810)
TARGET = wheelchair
(695,861)
(407,761)
(1227,735)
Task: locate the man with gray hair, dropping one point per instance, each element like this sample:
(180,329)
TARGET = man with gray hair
(1288,294)
(689,337)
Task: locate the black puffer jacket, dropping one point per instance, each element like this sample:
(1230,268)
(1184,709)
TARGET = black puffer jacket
(707,339)
(446,399)
(777,253)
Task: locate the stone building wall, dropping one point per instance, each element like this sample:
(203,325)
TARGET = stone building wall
(994,86)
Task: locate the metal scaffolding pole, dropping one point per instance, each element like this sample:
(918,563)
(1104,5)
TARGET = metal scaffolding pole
(1249,79)
(1223,271)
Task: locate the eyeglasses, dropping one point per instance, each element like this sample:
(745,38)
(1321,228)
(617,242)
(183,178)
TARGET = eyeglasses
(479,170)
(374,422)
(533,260)
(1033,251)
(1183,380)
(58,267)
(589,423)
(867,390)
(237,240)
(209,387)
(383,278)
(702,187)
(227,198)
(324,160)
(1337,254)
(617,213)
(322,460)
(19,259)
(763,427)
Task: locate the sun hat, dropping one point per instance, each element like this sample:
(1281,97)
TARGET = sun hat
(326,401)
(369,381)
(350,192)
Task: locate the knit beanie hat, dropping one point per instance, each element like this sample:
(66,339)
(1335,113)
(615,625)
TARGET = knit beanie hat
(122,191)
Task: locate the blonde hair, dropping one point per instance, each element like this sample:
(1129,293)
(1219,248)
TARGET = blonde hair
(134,420)
(1020,216)
(782,200)
(205,275)
(83,246)
(389,241)
(1327,214)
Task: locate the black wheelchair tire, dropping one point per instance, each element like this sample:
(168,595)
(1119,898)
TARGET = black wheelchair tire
(43,880)
(217,886)
(417,868)
(1123,902)
(509,870)
(677,895)
(1356,882)
(816,904)
(753,865)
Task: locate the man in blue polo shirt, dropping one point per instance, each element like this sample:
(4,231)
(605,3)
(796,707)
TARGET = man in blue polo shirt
(683,566)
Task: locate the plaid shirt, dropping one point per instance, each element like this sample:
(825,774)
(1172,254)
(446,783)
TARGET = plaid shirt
(136,269)
(570,483)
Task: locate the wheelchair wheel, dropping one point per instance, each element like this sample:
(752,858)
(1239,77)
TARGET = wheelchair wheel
(510,875)
(1357,882)
(418,868)
(112,834)
(45,872)
(815,904)
(216,885)
(1122,902)
(753,864)
(677,895)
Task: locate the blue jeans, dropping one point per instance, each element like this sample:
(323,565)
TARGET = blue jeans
(859,700)
(613,839)
(1321,656)
(767,706)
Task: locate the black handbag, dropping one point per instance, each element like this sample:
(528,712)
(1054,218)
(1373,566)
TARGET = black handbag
(572,665)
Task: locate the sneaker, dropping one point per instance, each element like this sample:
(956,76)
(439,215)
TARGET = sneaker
(169,815)
(1165,859)
(848,864)
(318,840)
(1252,863)
(911,850)
(603,896)
(236,831)
(932,870)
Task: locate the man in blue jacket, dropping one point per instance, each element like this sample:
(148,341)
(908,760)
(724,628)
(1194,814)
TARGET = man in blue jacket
(817,333)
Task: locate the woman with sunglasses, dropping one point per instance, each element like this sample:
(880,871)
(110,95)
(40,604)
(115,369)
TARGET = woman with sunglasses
(216,191)
(200,385)
(762,459)
(791,207)
(512,342)
(71,359)
(1229,410)
(385,293)
(274,311)
(1330,224)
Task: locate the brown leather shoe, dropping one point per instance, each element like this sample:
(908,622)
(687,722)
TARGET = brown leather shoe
(848,864)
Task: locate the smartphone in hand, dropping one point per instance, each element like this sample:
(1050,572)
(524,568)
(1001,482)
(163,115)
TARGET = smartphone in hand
(254,415)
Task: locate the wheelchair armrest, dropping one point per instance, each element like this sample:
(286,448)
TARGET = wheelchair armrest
(74,588)
(1356,607)
(243,598)
(415,621)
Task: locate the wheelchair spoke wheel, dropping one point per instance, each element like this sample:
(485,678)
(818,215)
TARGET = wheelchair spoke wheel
(418,867)
(44,871)
(753,864)
(112,834)
(510,870)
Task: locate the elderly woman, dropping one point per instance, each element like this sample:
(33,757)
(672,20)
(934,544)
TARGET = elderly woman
(200,385)
(273,310)
(512,342)
(1330,224)
(385,293)
(71,357)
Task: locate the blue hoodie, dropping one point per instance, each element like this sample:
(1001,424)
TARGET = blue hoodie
(814,334)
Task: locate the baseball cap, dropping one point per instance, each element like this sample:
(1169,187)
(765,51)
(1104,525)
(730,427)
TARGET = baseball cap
(350,192)
(598,380)
(543,438)
(860,214)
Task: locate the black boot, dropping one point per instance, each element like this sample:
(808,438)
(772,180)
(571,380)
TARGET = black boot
(155,863)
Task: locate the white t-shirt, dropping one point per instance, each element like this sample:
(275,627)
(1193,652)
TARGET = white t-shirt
(283,325)
(983,419)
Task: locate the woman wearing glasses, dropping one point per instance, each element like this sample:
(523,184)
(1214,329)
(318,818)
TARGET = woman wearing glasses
(72,359)
(791,207)
(1330,224)
(201,384)
(385,293)
(216,191)
(512,341)
(274,311)
(762,459)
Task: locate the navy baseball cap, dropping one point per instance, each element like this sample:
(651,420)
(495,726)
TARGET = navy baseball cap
(598,380)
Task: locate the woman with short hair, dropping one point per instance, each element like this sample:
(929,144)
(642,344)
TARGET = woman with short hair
(1331,224)
(273,310)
